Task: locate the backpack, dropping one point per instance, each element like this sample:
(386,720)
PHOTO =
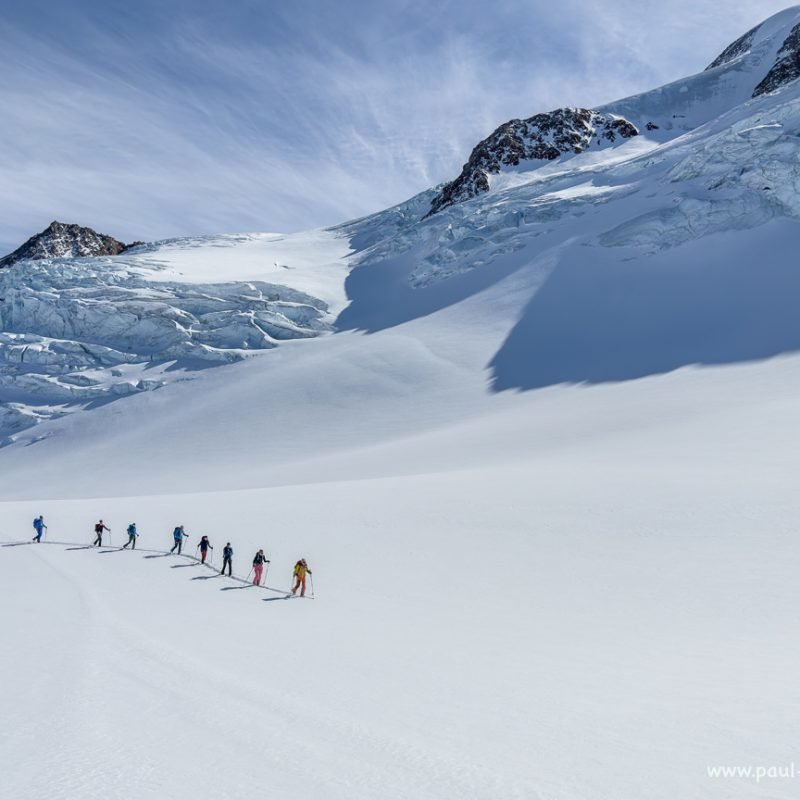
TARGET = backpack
(131,530)
(36,524)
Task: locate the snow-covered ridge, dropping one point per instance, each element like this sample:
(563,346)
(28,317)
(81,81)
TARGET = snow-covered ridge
(787,66)
(60,240)
(735,50)
(782,33)
(543,137)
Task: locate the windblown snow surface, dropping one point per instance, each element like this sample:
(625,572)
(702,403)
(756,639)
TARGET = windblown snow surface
(544,474)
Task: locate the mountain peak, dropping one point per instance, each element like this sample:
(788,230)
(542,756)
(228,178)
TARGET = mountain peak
(774,44)
(62,239)
(543,137)
(763,60)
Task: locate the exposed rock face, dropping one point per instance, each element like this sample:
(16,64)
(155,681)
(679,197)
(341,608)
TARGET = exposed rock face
(542,137)
(741,46)
(787,66)
(59,240)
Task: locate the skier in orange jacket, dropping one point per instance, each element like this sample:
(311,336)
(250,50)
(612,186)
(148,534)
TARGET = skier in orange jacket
(300,571)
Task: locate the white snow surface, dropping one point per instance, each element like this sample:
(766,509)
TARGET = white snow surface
(583,593)
(544,474)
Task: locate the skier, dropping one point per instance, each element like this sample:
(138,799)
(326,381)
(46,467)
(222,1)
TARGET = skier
(300,571)
(98,529)
(204,546)
(178,535)
(131,537)
(258,566)
(39,527)
(227,556)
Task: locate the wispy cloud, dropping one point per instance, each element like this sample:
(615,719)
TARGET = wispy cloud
(158,119)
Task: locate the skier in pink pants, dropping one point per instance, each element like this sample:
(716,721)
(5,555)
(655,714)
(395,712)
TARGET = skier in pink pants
(258,567)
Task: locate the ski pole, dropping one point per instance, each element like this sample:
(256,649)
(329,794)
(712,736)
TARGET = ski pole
(266,570)
(310,575)
(249,574)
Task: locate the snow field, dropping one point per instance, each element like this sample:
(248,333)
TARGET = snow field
(592,618)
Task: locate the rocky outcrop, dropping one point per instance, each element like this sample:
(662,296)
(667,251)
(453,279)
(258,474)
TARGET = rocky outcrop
(787,66)
(60,240)
(740,47)
(543,137)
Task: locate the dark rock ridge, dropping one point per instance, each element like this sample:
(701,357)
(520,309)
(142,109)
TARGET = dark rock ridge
(786,68)
(543,137)
(60,239)
(740,47)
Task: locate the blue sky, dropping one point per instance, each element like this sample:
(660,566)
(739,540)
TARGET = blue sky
(148,119)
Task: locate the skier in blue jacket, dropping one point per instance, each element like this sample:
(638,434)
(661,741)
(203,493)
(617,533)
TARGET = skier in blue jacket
(39,527)
(132,534)
(178,535)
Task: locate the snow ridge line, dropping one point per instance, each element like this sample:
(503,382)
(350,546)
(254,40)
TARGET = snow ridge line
(109,548)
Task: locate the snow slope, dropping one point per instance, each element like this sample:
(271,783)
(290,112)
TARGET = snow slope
(544,473)
(582,601)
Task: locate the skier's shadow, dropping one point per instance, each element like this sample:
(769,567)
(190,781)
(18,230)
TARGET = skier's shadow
(179,566)
(16,544)
(85,547)
(107,552)
(159,555)
(282,597)
(205,577)
(232,588)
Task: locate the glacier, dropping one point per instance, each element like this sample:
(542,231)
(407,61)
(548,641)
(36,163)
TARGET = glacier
(75,331)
